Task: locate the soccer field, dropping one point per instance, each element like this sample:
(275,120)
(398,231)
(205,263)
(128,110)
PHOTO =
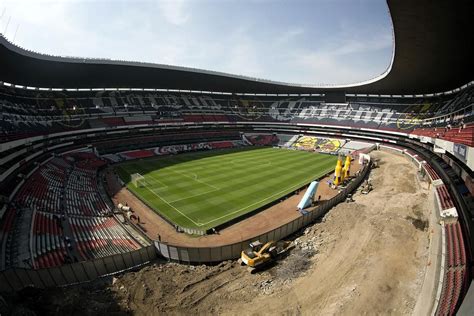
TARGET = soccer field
(202,190)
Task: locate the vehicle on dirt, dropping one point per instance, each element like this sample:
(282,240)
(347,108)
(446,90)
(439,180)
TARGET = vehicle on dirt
(259,255)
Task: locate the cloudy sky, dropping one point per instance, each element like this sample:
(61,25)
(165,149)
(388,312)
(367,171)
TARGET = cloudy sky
(297,41)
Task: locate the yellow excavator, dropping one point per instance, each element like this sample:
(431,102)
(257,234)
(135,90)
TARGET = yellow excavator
(259,255)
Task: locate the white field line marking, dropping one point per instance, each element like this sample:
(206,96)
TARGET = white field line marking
(269,163)
(268,197)
(155,179)
(150,175)
(191,196)
(239,162)
(173,207)
(195,179)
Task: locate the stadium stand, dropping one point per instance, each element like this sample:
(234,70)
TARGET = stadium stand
(455,270)
(137,120)
(262,139)
(171,149)
(69,219)
(225,144)
(432,174)
(313,143)
(286,140)
(138,154)
(27,113)
(445,198)
(100,237)
(457,134)
(113,121)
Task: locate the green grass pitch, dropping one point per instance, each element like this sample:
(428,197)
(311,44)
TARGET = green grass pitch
(201,190)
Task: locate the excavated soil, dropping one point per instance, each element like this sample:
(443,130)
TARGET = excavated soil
(363,257)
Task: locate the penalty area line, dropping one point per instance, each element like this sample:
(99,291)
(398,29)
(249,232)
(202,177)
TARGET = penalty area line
(155,179)
(195,178)
(191,196)
(197,224)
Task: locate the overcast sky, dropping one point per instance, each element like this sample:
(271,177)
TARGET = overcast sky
(298,41)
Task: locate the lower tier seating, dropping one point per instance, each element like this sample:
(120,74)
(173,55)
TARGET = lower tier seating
(64,217)
(444,197)
(100,237)
(455,134)
(455,270)
(431,173)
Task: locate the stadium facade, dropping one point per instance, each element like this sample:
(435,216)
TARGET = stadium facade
(53,105)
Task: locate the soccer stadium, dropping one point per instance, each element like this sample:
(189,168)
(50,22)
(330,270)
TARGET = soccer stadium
(141,188)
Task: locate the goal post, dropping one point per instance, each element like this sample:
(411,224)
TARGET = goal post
(138,180)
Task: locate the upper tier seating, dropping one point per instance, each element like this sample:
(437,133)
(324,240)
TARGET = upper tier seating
(113,121)
(27,113)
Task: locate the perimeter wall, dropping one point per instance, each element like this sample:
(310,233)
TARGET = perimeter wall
(15,279)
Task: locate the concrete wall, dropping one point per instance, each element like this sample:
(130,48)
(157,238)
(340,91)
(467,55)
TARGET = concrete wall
(15,279)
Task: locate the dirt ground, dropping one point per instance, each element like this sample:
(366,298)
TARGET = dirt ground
(364,257)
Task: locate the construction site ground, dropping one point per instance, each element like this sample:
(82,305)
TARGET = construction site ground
(363,257)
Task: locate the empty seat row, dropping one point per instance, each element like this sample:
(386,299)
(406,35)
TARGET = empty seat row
(455,251)
(457,134)
(430,171)
(85,203)
(81,180)
(444,197)
(100,237)
(222,144)
(263,140)
(46,223)
(48,246)
(53,258)
(455,270)
(59,186)
(137,154)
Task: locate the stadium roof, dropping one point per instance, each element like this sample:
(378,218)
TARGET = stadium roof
(433,53)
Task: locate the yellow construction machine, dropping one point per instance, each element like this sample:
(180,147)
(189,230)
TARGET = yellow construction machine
(259,255)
